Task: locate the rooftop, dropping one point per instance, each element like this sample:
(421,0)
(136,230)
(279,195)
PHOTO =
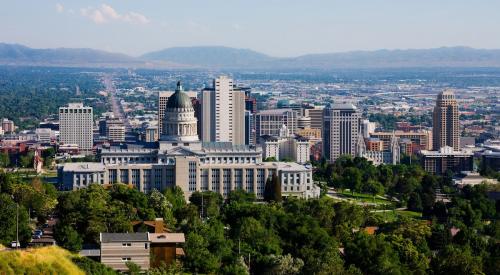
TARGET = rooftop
(124,237)
(84,167)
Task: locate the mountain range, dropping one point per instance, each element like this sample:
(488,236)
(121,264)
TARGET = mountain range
(233,58)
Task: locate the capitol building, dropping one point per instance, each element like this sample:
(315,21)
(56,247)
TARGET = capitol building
(181,159)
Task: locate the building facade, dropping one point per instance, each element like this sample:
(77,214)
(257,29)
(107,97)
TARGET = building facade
(269,122)
(76,126)
(223,112)
(445,122)
(182,160)
(447,159)
(341,129)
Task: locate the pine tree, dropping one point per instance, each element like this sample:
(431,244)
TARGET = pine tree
(276,185)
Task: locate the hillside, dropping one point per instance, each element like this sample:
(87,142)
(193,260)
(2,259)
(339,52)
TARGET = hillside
(210,56)
(15,54)
(219,57)
(47,260)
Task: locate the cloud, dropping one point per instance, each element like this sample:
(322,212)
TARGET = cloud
(106,13)
(59,8)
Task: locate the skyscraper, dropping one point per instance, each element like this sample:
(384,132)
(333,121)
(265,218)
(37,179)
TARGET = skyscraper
(223,112)
(75,124)
(445,126)
(341,127)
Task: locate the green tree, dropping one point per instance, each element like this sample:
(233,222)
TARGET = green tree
(276,184)
(4,160)
(8,211)
(352,179)
(373,255)
(457,260)
(26,161)
(373,187)
(133,268)
(241,196)
(68,238)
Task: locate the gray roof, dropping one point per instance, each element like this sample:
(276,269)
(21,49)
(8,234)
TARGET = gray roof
(179,100)
(124,237)
(225,146)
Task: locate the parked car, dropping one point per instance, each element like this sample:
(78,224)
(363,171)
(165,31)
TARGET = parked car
(15,244)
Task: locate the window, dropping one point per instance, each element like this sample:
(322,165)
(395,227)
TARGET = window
(126,244)
(126,259)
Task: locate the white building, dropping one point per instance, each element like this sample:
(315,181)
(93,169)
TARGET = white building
(341,129)
(269,122)
(75,124)
(116,133)
(286,146)
(44,135)
(223,112)
(182,160)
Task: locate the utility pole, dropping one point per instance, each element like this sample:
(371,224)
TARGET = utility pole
(17,225)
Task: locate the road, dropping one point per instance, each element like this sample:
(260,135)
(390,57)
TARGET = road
(116,107)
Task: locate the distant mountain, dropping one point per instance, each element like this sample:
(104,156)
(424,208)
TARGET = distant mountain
(232,58)
(21,55)
(438,57)
(216,56)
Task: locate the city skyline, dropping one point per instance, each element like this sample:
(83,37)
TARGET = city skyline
(339,26)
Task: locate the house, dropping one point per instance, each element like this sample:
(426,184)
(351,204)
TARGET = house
(119,248)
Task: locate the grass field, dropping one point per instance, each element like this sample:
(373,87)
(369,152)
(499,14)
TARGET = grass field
(368,198)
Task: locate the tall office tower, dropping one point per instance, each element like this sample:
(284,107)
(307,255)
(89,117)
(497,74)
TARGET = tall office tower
(445,124)
(8,126)
(250,138)
(269,122)
(75,125)
(367,128)
(162,103)
(116,132)
(223,112)
(341,128)
(250,102)
(316,115)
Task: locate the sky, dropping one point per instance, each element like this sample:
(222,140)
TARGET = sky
(281,28)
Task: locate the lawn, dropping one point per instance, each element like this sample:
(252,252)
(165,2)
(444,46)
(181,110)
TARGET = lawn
(364,197)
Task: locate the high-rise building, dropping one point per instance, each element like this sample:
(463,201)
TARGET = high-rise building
(75,124)
(422,139)
(223,112)
(116,132)
(8,126)
(367,128)
(446,127)
(316,115)
(250,138)
(162,103)
(269,122)
(341,128)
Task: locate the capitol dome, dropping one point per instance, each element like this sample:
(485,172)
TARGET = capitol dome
(179,100)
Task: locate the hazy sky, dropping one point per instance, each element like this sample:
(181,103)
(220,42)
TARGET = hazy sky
(275,27)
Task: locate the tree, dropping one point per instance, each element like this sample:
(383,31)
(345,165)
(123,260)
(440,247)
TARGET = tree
(26,161)
(373,255)
(133,268)
(240,196)
(373,187)
(4,160)
(92,267)
(198,258)
(414,202)
(276,188)
(68,238)
(8,211)
(352,179)
(268,190)
(457,260)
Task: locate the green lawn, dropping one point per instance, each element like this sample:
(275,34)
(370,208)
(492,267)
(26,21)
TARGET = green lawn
(363,197)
